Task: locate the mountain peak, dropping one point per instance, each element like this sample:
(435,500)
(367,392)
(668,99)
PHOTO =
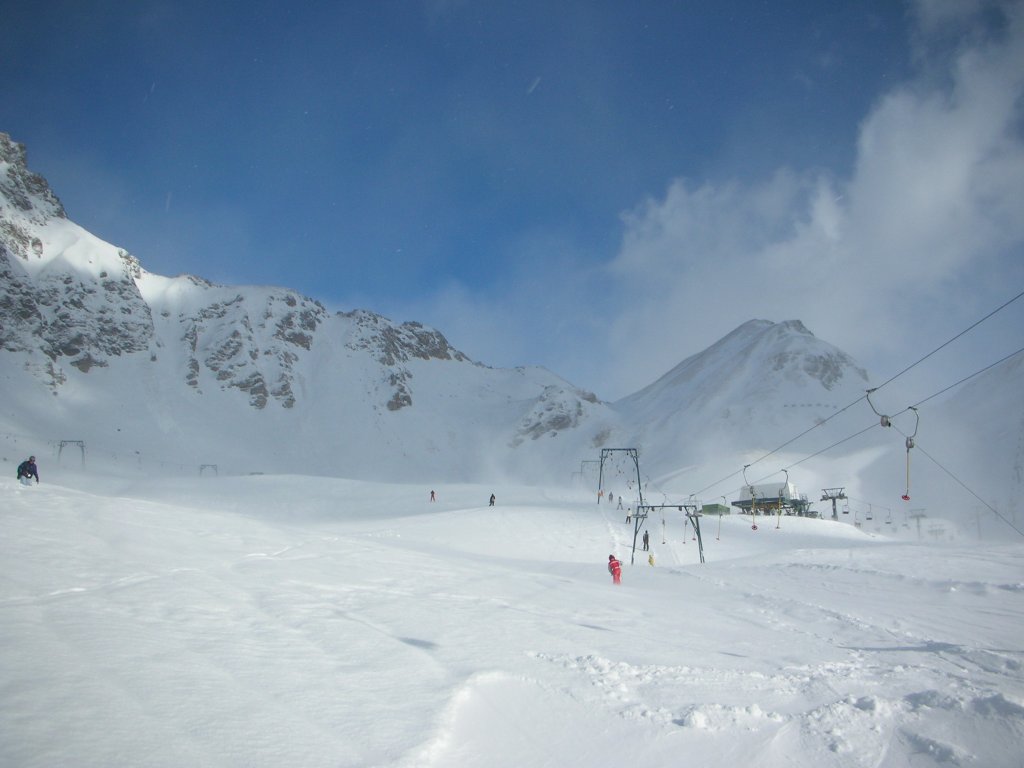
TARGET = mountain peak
(27,192)
(796,327)
(757,327)
(760,361)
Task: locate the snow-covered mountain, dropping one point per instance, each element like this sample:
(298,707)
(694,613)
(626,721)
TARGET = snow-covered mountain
(180,373)
(746,392)
(254,377)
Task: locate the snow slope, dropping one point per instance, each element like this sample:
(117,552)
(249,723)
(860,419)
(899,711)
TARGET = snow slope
(298,621)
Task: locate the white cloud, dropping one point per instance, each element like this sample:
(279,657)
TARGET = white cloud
(934,15)
(882,263)
(922,238)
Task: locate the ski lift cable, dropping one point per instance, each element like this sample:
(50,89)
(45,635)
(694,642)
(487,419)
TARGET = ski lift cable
(779,448)
(908,408)
(965,378)
(910,438)
(891,379)
(963,485)
(827,448)
(947,343)
(869,504)
(875,389)
(801,461)
(886,421)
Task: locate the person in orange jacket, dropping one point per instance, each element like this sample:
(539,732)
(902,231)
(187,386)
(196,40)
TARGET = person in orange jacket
(615,569)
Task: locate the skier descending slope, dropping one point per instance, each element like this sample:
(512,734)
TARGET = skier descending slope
(615,569)
(27,470)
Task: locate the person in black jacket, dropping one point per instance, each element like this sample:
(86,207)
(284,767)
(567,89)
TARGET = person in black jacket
(28,469)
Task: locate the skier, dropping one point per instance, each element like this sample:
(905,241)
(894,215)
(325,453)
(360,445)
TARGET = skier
(432,497)
(493,499)
(27,470)
(615,569)
(647,541)
(620,501)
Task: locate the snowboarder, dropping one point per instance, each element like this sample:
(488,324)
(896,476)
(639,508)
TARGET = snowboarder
(615,569)
(493,499)
(647,541)
(27,470)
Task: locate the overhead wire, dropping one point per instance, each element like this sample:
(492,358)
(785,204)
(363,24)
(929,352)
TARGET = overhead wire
(922,450)
(872,426)
(964,485)
(947,343)
(964,379)
(826,449)
(909,407)
(883,384)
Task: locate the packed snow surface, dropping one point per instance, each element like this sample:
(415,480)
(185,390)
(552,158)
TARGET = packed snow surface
(300,621)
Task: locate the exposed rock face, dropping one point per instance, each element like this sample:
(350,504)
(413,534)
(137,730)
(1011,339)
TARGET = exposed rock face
(27,192)
(248,344)
(80,302)
(65,317)
(799,347)
(82,316)
(557,409)
(395,345)
(392,344)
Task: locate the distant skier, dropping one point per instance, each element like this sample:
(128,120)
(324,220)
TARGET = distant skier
(650,559)
(493,499)
(615,569)
(647,541)
(27,470)
(620,501)
(432,496)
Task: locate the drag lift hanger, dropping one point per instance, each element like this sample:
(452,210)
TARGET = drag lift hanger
(782,492)
(753,500)
(886,421)
(910,444)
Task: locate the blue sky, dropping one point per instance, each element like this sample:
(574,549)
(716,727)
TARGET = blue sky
(598,187)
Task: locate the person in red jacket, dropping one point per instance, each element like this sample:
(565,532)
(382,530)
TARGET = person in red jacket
(615,569)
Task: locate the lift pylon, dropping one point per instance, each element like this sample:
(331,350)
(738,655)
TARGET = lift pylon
(831,494)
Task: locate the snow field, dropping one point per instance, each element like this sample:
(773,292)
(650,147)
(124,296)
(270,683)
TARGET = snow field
(315,622)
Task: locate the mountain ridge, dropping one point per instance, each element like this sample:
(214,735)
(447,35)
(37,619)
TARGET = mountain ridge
(162,373)
(76,306)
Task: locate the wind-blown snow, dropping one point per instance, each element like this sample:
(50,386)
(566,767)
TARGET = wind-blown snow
(298,621)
